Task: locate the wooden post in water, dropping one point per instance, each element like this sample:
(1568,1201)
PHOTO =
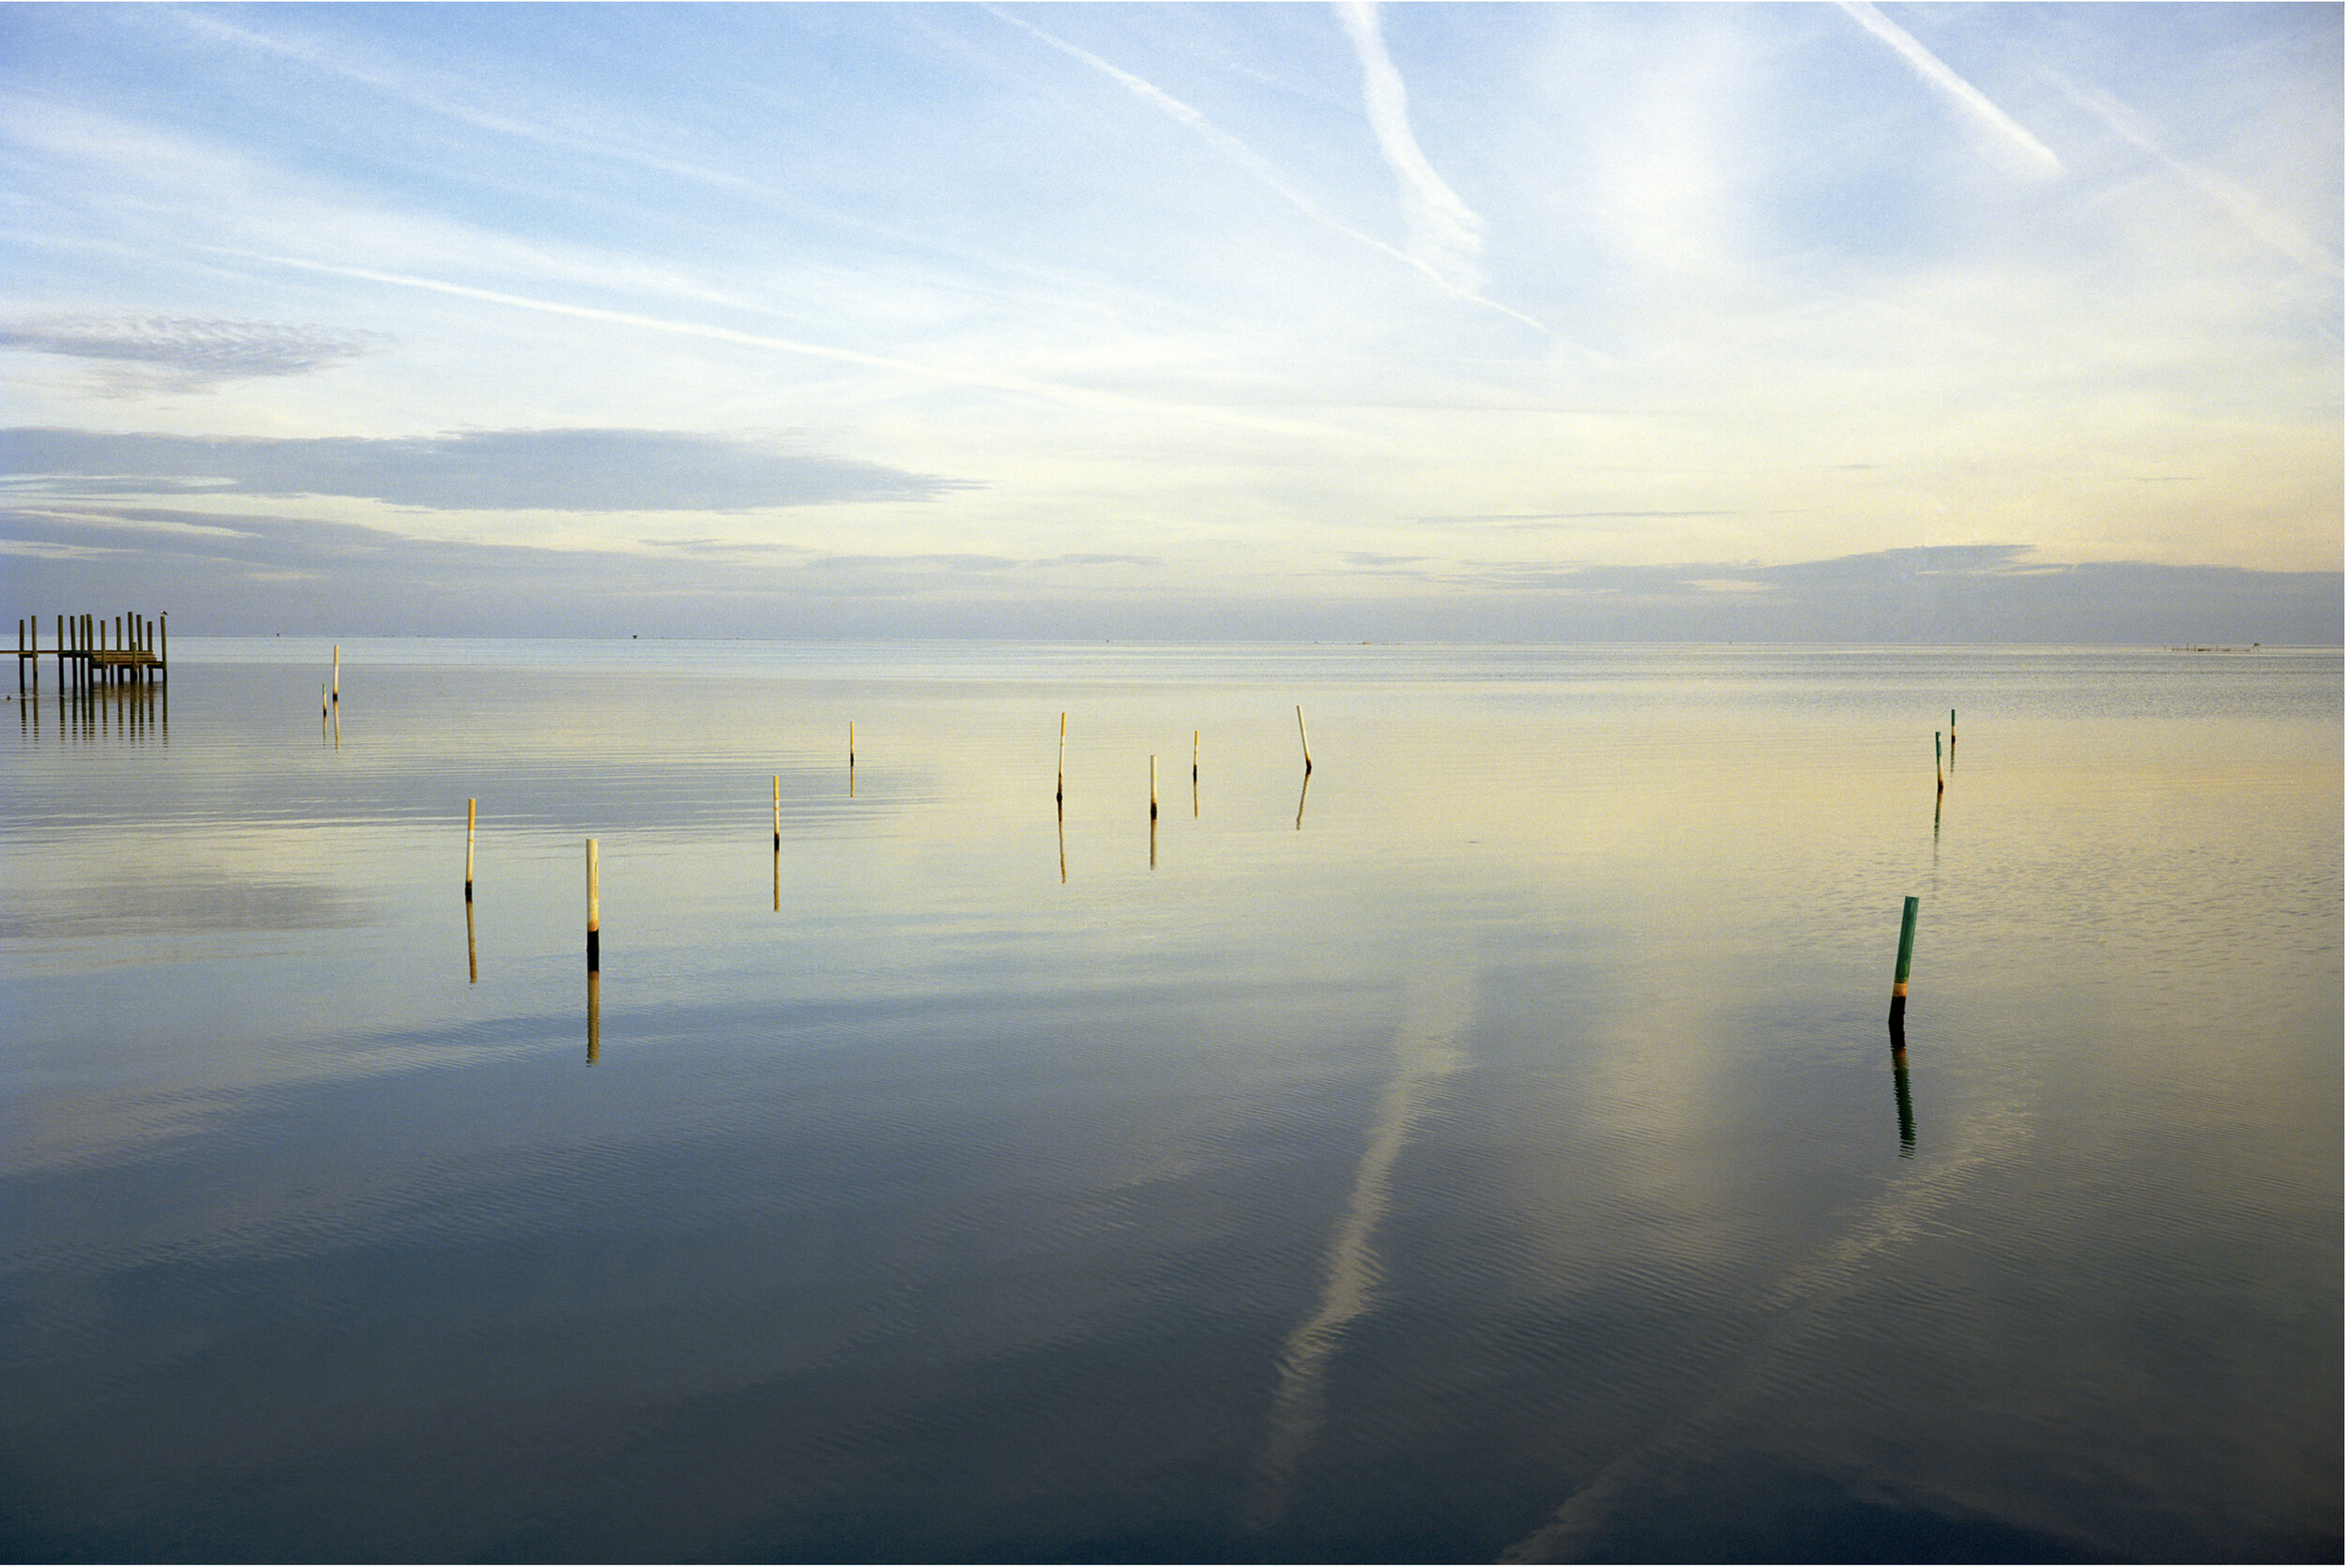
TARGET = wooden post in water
(1938,762)
(1305,738)
(1059,792)
(338,675)
(777,813)
(1193,772)
(594,950)
(1906,964)
(162,642)
(1153,787)
(594,908)
(472,947)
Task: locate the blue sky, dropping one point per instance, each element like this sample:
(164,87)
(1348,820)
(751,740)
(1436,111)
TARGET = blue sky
(1517,321)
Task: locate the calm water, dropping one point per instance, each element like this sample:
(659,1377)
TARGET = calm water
(1492,1150)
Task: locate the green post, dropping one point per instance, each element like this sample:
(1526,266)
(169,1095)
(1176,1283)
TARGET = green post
(1906,964)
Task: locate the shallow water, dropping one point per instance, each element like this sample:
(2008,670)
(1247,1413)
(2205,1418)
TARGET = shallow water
(1488,1146)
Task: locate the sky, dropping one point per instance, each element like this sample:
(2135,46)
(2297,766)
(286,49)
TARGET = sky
(1871,323)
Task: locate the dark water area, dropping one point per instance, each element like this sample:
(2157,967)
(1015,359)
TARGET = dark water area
(1487,1146)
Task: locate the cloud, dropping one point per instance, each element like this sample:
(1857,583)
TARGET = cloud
(1550,519)
(1444,233)
(2036,157)
(1935,593)
(939,561)
(1261,169)
(184,354)
(235,573)
(560,470)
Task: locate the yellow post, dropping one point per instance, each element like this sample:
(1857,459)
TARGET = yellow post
(594,908)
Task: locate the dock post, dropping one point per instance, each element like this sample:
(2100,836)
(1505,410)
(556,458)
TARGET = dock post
(162,643)
(1305,738)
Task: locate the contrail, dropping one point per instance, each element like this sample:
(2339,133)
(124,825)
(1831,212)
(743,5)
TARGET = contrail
(1425,1046)
(1936,71)
(395,86)
(1446,232)
(1260,167)
(2244,208)
(1092,396)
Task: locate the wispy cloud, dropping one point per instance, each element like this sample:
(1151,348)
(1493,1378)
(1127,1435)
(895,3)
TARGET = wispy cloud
(2234,198)
(1081,396)
(396,85)
(563,470)
(1551,519)
(2035,157)
(1445,233)
(183,353)
(1262,169)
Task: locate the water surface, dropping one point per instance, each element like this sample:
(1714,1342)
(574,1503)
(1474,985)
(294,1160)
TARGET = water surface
(1488,1145)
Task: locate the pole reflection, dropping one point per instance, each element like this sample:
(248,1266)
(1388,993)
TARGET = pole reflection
(1904,1091)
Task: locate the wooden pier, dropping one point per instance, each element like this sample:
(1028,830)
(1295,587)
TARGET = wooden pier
(89,651)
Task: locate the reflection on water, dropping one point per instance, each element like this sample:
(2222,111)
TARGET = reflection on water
(1496,1169)
(1425,1047)
(137,713)
(1904,1094)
